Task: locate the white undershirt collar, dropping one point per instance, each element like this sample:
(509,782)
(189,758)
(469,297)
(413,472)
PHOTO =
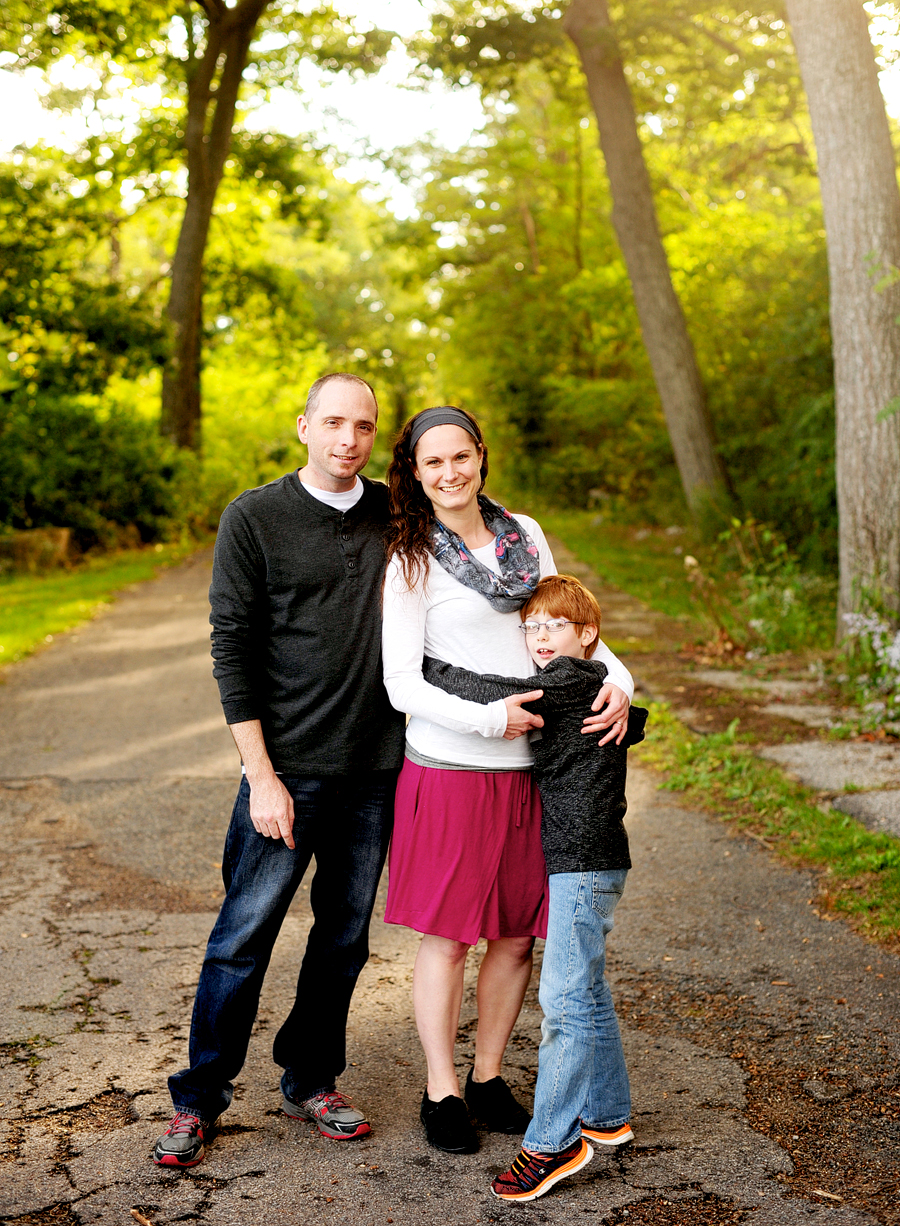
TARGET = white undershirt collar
(341,501)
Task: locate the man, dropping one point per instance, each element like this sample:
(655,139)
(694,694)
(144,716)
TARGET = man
(296,640)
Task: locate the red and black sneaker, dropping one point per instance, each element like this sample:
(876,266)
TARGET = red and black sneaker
(531,1175)
(182,1144)
(332,1112)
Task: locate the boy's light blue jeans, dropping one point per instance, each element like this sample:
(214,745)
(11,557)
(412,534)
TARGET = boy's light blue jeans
(581,1065)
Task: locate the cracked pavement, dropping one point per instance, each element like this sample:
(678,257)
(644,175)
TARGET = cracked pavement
(761,1037)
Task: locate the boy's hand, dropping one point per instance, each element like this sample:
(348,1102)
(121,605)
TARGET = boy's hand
(518,722)
(614,715)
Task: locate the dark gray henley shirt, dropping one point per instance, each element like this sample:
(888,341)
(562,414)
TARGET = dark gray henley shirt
(296,616)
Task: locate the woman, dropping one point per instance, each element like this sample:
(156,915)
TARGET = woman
(466,859)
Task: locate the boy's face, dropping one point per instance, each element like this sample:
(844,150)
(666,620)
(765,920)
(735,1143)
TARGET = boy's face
(570,641)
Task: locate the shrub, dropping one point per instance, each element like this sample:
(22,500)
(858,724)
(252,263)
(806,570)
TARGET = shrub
(73,462)
(757,593)
(873,654)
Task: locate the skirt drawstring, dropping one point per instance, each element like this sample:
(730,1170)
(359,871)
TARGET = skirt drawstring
(523,796)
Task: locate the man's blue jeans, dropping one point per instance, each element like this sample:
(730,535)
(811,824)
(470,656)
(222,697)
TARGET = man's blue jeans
(346,824)
(581,1066)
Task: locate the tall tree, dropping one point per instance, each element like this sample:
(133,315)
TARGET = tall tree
(861,201)
(214,75)
(485,43)
(669,346)
(199,52)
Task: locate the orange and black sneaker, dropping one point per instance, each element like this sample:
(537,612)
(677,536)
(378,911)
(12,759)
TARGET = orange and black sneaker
(608,1136)
(531,1175)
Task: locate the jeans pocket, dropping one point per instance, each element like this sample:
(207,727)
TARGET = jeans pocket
(603,900)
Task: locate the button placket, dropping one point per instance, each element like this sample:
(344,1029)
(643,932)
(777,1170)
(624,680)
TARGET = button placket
(349,560)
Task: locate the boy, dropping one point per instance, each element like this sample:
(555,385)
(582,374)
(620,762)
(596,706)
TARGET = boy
(582,1088)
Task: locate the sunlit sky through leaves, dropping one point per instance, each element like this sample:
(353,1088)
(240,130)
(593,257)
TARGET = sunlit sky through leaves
(375,113)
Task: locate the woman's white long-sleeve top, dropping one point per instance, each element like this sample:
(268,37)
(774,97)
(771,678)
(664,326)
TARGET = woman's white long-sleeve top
(443,619)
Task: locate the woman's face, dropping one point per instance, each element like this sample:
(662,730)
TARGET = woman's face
(448,463)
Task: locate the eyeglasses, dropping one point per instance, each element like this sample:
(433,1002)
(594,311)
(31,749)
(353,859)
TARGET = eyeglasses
(553,627)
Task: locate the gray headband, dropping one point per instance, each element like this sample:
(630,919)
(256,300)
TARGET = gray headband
(444,415)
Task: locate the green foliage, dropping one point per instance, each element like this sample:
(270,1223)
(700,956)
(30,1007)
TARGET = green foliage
(302,276)
(646,563)
(544,340)
(165,38)
(872,655)
(68,463)
(66,324)
(747,586)
(754,589)
(533,299)
(508,293)
(860,869)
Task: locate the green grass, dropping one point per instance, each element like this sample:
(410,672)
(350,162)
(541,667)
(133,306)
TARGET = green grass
(860,869)
(648,569)
(34,608)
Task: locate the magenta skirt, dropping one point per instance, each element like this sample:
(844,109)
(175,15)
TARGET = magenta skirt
(466,858)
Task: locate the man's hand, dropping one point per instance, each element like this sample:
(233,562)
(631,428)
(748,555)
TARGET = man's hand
(271,804)
(518,722)
(272,809)
(614,715)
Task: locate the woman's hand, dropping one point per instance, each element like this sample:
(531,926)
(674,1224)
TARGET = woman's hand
(518,722)
(615,704)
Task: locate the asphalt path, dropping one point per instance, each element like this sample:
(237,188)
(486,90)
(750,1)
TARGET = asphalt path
(761,1037)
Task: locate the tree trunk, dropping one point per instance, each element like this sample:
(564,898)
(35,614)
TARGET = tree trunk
(858,178)
(214,79)
(531,235)
(401,406)
(669,347)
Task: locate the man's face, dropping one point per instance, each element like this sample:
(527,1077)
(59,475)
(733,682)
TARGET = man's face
(338,435)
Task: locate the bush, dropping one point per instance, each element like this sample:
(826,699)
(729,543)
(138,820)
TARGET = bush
(92,468)
(872,652)
(757,593)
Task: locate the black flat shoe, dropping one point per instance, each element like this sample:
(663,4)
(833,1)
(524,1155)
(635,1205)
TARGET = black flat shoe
(447,1125)
(492,1104)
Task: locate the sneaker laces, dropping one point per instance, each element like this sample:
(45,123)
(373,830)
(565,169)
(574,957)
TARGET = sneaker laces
(184,1123)
(334,1100)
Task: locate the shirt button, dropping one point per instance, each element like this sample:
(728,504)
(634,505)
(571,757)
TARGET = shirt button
(345,536)
(351,564)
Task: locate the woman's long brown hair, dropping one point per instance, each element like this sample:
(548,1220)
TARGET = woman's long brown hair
(409,532)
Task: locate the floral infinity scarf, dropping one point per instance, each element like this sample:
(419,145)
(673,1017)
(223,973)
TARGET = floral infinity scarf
(517,554)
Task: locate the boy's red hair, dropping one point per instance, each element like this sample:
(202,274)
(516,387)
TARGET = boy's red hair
(564,596)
